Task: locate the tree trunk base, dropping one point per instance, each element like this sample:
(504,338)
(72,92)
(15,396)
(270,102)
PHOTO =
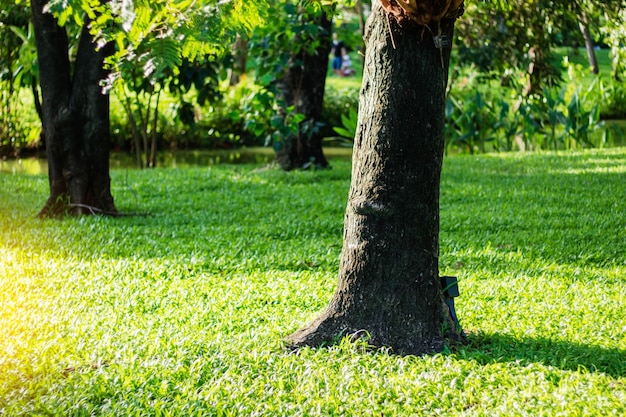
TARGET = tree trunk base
(59,206)
(330,328)
(308,155)
(55,207)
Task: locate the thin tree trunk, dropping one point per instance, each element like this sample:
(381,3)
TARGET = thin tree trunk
(135,131)
(240,55)
(389,284)
(589,44)
(144,120)
(153,142)
(358,6)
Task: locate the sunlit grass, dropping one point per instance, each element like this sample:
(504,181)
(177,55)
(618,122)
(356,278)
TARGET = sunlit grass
(184,311)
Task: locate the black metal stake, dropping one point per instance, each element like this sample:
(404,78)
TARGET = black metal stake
(450,288)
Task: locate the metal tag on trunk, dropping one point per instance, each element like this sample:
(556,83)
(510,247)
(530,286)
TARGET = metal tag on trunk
(442,41)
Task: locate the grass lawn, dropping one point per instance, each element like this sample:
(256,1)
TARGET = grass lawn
(183,312)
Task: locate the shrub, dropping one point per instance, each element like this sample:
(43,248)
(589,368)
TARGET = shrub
(337,103)
(484,116)
(19,127)
(614,104)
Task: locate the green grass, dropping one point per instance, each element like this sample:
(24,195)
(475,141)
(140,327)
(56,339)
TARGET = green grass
(579,56)
(353,81)
(183,312)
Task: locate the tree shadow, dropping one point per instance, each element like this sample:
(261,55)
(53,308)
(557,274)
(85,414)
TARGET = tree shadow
(564,355)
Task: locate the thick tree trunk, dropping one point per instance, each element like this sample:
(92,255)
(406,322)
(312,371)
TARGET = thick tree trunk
(303,87)
(75,119)
(389,281)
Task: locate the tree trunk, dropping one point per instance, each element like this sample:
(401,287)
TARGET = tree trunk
(240,56)
(389,282)
(358,5)
(75,119)
(303,87)
(589,44)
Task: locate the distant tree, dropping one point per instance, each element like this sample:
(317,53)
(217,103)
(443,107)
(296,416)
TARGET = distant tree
(584,26)
(498,35)
(302,88)
(290,59)
(595,17)
(239,60)
(389,284)
(615,32)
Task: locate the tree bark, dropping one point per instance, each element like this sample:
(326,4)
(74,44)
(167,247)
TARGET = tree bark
(389,281)
(75,119)
(302,86)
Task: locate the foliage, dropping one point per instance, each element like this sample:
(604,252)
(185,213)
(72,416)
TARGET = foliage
(170,43)
(474,122)
(513,35)
(482,115)
(160,33)
(274,45)
(614,31)
(339,103)
(220,124)
(153,39)
(612,98)
(349,125)
(277,50)
(245,115)
(18,69)
(183,312)
(140,99)
(500,35)
(155,45)
(260,115)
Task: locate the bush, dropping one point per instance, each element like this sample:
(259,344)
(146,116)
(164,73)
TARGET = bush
(484,116)
(19,126)
(337,103)
(183,124)
(614,105)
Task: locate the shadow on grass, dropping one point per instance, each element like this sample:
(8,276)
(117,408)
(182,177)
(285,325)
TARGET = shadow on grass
(563,355)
